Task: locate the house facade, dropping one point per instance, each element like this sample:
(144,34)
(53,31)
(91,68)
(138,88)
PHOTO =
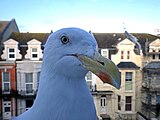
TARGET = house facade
(151,80)
(20,67)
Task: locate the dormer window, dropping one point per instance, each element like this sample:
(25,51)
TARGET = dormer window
(104,52)
(11,53)
(34,51)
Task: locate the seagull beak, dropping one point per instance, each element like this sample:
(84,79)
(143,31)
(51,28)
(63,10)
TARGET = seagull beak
(104,68)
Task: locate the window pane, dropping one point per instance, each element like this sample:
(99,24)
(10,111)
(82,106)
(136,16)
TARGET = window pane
(103,101)
(34,55)
(128,104)
(6,87)
(119,102)
(7,109)
(34,49)
(29,77)
(128,107)
(128,76)
(11,56)
(128,99)
(6,76)
(89,83)
(128,85)
(29,88)
(11,49)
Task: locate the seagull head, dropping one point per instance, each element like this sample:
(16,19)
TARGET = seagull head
(72,52)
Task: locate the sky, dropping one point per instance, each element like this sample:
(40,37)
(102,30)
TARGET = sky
(107,16)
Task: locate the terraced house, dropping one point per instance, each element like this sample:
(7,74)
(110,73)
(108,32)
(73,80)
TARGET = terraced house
(20,67)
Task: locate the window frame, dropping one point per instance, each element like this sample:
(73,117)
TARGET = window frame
(119,102)
(128,81)
(34,53)
(11,53)
(122,55)
(128,103)
(6,82)
(28,82)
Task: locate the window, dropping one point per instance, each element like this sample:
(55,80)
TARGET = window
(34,53)
(6,81)
(103,101)
(128,76)
(153,56)
(89,80)
(128,105)
(29,104)
(29,82)
(119,102)
(38,78)
(122,54)
(11,53)
(128,81)
(103,104)
(128,54)
(104,53)
(89,76)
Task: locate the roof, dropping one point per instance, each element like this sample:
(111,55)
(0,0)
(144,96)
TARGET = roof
(23,38)
(153,65)
(3,25)
(110,40)
(127,65)
(107,40)
(104,40)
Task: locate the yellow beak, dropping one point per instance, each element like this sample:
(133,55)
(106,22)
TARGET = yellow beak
(104,68)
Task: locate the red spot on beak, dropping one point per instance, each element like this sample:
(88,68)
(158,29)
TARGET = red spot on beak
(105,77)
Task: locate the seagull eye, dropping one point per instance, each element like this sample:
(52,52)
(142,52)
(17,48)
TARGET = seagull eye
(64,39)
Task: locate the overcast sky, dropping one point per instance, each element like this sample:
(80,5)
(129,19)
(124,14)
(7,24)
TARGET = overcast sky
(96,15)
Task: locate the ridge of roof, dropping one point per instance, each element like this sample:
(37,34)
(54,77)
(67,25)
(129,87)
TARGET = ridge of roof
(23,38)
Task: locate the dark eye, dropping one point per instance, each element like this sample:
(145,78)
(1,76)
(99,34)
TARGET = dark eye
(64,39)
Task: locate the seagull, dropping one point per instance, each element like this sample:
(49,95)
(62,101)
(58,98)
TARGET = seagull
(63,93)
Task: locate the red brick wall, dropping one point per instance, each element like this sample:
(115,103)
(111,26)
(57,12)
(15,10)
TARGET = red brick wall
(12,72)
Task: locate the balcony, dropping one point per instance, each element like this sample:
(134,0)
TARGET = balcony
(8,93)
(24,94)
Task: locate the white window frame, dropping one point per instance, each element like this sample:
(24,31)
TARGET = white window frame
(104,53)
(5,82)
(34,53)
(103,103)
(11,53)
(129,81)
(28,83)
(89,80)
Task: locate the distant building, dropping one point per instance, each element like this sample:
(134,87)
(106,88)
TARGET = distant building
(151,80)
(20,67)
(157,32)
(6,29)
